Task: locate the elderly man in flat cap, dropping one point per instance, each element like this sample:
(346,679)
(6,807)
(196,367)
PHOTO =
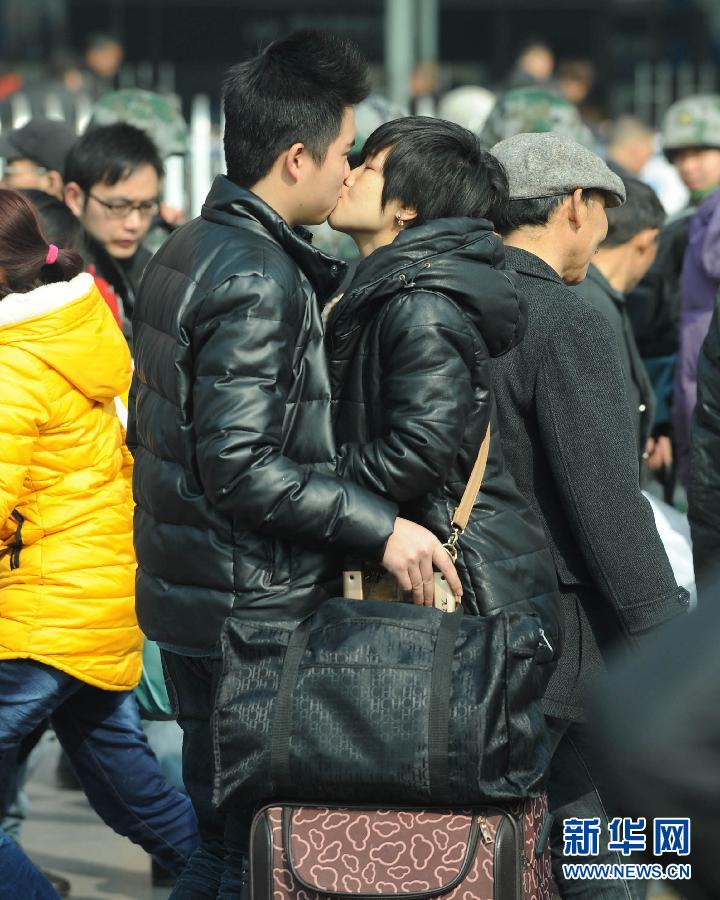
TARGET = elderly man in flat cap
(569,441)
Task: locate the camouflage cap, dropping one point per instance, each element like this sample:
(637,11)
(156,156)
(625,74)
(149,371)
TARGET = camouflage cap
(692,122)
(371,113)
(534,110)
(157,115)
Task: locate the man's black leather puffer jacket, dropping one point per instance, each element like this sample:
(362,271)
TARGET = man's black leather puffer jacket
(238,511)
(409,346)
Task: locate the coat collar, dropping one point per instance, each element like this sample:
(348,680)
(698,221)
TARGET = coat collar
(228,204)
(529,264)
(460,258)
(596,277)
(48,298)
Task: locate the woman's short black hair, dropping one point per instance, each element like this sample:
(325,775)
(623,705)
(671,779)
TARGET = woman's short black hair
(440,169)
(296,90)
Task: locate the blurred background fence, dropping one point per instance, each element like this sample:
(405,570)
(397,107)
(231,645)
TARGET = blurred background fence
(643,54)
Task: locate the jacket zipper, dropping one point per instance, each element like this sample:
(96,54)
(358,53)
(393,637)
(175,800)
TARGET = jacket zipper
(543,638)
(15,555)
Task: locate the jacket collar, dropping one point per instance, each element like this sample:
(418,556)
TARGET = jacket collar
(48,298)
(435,241)
(596,276)
(111,269)
(529,264)
(228,204)
(460,258)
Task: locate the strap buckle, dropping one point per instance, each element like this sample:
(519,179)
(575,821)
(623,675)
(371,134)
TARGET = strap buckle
(450,546)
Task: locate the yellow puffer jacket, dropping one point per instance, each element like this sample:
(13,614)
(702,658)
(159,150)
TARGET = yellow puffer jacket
(67,568)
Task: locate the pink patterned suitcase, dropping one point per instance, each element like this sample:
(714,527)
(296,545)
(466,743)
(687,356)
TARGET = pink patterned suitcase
(317,852)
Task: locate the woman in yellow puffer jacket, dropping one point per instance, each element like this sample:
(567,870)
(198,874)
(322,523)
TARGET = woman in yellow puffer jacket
(70,646)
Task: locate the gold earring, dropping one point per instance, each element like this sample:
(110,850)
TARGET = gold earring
(400,222)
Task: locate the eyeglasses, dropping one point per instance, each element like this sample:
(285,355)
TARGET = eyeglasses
(121,209)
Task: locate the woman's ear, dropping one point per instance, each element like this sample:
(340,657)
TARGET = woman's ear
(407,213)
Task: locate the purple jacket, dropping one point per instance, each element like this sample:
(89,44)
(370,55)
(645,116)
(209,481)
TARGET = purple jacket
(699,284)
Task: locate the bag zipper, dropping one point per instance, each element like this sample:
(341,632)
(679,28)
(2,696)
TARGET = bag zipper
(484,830)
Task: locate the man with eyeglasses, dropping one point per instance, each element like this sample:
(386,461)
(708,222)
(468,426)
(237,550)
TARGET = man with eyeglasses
(35,156)
(113,183)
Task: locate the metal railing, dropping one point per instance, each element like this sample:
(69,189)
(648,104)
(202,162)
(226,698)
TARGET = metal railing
(187,179)
(657,85)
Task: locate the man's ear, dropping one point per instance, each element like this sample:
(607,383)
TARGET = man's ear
(576,209)
(75,198)
(294,162)
(55,183)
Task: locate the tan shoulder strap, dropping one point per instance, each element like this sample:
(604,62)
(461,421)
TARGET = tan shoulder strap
(472,489)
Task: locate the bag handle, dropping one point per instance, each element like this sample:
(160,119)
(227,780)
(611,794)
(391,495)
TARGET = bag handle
(439,708)
(282,720)
(462,512)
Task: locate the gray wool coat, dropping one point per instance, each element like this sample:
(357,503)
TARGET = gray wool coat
(598,292)
(568,441)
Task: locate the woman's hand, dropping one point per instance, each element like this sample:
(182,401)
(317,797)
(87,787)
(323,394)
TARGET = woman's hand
(410,554)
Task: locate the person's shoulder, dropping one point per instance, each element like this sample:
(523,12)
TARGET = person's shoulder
(213,254)
(675,228)
(22,367)
(546,298)
(424,306)
(558,314)
(594,294)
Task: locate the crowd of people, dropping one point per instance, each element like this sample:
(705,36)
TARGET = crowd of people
(203,421)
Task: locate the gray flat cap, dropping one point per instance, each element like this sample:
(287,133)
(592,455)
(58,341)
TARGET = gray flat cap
(545,165)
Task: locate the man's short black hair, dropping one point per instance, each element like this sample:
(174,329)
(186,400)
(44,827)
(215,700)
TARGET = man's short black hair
(110,153)
(440,169)
(642,209)
(295,91)
(536,211)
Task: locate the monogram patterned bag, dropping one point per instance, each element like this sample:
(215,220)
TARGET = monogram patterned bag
(315,853)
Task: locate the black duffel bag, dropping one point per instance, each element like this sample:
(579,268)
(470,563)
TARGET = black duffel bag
(366,701)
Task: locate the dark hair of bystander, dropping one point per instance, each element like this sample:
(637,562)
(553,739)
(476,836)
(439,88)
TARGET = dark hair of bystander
(24,249)
(108,154)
